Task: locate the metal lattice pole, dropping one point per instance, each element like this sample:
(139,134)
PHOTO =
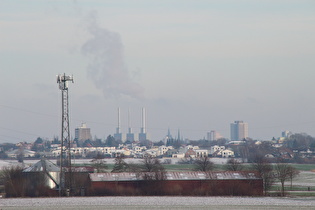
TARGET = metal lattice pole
(65,154)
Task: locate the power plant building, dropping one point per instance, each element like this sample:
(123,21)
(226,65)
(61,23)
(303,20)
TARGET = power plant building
(130,136)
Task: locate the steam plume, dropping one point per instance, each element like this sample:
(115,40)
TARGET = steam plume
(106,67)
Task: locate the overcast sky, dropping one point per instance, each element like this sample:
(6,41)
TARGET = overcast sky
(195,65)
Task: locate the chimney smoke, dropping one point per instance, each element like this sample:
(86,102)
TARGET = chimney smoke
(106,66)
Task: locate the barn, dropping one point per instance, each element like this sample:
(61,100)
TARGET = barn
(223,183)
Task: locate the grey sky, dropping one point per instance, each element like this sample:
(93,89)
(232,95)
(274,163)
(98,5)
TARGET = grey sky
(195,65)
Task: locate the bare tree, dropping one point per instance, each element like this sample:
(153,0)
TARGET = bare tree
(265,171)
(234,165)
(244,152)
(204,164)
(120,164)
(167,161)
(293,172)
(154,167)
(20,155)
(284,172)
(153,174)
(151,164)
(99,163)
(14,182)
(133,167)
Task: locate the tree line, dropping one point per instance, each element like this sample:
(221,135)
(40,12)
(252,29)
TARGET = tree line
(151,170)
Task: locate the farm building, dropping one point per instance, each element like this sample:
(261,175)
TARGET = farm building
(45,174)
(228,183)
(49,169)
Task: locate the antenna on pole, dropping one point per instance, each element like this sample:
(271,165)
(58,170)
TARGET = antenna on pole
(65,154)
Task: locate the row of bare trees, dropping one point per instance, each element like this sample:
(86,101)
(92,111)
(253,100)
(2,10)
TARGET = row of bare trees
(280,171)
(150,168)
(270,173)
(152,171)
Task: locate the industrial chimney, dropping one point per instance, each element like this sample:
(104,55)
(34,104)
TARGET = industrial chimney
(142,134)
(143,121)
(118,134)
(130,135)
(118,127)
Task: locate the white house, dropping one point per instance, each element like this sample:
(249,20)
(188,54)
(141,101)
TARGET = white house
(138,149)
(180,155)
(124,151)
(191,147)
(201,153)
(227,153)
(216,148)
(163,149)
(26,153)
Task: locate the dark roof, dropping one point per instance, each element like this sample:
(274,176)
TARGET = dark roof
(43,165)
(222,175)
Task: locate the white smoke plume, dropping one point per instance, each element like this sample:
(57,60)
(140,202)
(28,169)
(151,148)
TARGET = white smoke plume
(106,67)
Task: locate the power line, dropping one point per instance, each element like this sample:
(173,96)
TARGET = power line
(56,115)
(29,111)
(17,131)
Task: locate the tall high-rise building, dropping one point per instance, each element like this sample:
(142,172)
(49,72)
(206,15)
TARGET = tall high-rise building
(239,130)
(213,135)
(178,135)
(83,133)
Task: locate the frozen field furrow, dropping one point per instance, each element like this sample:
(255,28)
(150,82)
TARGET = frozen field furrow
(155,201)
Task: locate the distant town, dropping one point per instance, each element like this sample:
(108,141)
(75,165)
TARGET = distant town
(294,148)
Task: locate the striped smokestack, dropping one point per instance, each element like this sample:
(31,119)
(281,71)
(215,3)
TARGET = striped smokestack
(118,127)
(129,122)
(143,121)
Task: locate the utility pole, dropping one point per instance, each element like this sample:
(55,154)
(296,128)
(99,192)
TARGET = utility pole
(65,154)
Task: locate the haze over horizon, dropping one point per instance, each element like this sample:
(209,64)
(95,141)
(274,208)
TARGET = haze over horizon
(196,66)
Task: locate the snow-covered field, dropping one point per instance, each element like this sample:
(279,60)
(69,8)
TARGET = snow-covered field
(5,163)
(306,178)
(157,203)
(109,161)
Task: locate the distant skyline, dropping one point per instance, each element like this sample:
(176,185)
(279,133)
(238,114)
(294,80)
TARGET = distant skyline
(196,66)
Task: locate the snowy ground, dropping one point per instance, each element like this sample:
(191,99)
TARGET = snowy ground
(109,161)
(158,203)
(134,160)
(306,178)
